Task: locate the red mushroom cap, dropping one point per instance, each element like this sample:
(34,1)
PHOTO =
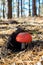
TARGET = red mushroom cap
(24,37)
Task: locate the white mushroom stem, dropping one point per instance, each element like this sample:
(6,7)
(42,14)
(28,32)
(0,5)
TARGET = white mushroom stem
(23,46)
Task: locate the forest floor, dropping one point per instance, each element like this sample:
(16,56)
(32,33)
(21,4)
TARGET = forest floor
(32,56)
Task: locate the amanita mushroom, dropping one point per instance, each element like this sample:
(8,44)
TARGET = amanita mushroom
(24,38)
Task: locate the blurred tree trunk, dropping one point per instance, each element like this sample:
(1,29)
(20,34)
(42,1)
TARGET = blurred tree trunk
(21,8)
(39,7)
(18,9)
(29,9)
(3,10)
(9,8)
(34,7)
(3,3)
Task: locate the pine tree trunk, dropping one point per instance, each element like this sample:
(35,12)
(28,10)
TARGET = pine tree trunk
(29,9)
(39,7)
(34,7)
(18,9)
(21,8)
(9,8)
(3,10)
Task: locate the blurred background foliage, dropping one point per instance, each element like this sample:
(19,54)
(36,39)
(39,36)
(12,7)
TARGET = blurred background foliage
(20,8)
